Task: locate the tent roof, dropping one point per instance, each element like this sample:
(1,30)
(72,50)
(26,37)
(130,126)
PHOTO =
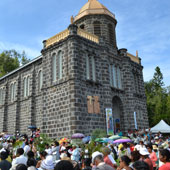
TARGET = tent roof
(162,127)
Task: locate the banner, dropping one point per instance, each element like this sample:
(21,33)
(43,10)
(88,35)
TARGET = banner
(109,121)
(136,127)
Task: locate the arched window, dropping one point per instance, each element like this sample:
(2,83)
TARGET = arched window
(97,29)
(60,65)
(119,79)
(25,87)
(28,86)
(93,68)
(90,68)
(3,95)
(14,91)
(54,68)
(1,101)
(115,76)
(87,68)
(111,33)
(40,80)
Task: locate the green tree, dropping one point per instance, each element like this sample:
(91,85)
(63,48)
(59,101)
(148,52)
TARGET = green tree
(158,100)
(158,79)
(10,60)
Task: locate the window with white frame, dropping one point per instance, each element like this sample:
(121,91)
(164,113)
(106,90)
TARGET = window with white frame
(1,96)
(54,68)
(27,86)
(90,68)
(13,91)
(57,66)
(60,65)
(115,76)
(40,80)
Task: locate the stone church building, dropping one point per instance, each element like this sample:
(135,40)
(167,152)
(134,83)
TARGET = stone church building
(80,73)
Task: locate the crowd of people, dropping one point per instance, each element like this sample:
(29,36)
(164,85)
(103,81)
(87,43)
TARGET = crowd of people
(146,151)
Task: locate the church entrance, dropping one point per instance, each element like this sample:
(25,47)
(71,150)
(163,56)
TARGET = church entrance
(117,113)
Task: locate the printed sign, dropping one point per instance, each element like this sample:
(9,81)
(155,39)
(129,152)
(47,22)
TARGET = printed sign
(109,121)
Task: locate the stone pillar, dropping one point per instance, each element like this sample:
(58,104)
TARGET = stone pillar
(72,29)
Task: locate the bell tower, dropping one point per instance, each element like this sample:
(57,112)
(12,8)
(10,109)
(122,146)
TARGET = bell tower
(95,18)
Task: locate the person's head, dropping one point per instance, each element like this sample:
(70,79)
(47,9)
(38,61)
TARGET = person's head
(149,148)
(169,144)
(20,151)
(3,155)
(56,143)
(141,142)
(125,145)
(46,145)
(164,155)
(31,162)
(106,151)
(98,159)
(26,143)
(21,167)
(144,153)
(43,154)
(135,156)
(87,162)
(30,154)
(63,143)
(124,161)
(140,165)
(64,165)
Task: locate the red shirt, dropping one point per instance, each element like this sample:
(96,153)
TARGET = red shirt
(165,166)
(153,158)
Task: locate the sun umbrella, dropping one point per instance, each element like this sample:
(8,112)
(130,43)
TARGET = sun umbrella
(114,137)
(77,136)
(103,140)
(86,139)
(63,140)
(122,141)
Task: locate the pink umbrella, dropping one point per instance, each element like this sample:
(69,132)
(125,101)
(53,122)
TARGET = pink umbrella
(122,141)
(77,136)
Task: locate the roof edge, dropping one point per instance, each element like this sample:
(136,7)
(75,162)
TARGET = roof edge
(25,65)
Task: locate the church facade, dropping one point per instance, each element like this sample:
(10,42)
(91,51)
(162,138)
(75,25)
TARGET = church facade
(79,75)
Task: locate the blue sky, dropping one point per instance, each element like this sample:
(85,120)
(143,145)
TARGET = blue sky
(143,25)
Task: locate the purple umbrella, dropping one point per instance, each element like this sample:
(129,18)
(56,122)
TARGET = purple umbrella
(77,136)
(122,141)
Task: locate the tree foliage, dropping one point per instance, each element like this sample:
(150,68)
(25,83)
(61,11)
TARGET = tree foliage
(10,60)
(158,99)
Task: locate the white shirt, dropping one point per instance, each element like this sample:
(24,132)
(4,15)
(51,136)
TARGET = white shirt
(20,160)
(26,149)
(49,151)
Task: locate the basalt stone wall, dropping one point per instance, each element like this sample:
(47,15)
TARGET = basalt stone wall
(59,96)
(19,113)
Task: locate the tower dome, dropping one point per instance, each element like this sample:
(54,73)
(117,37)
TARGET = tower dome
(93,7)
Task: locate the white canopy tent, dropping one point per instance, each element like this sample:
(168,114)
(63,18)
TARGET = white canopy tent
(162,127)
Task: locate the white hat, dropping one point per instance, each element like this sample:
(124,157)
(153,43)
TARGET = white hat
(97,153)
(156,138)
(143,151)
(63,155)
